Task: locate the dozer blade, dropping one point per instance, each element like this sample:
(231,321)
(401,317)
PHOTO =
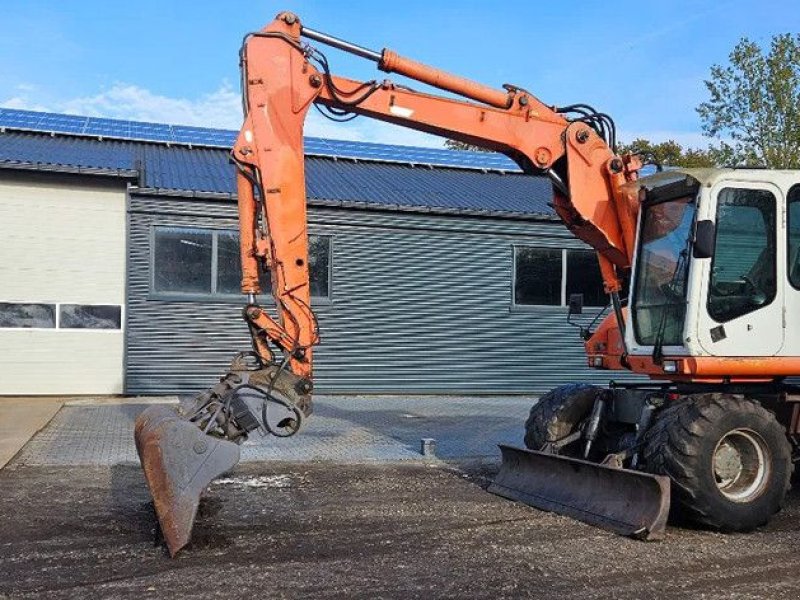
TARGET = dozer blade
(627,502)
(179,461)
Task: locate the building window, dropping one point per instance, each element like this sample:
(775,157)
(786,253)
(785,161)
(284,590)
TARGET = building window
(229,266)
(547,276)
(89,316)
(183,261)
(584,277)
(205,263)
(27,315)
(38,315)
(319,265)
(537,276)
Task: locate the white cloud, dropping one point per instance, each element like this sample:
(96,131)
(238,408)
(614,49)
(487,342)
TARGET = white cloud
(220,109)
(23,103)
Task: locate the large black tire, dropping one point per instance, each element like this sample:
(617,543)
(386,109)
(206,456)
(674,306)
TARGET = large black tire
(557,414)
(697,442)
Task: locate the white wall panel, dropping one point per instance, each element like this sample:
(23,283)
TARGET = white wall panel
(61,240)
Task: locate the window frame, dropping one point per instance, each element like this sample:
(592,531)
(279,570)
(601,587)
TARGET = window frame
(214,296)
(562,285)
(167,294)
(30,302)
(58,327)
(775,246)
(639,270)
(564,300)
(565,275)
(795,189)
(121,316)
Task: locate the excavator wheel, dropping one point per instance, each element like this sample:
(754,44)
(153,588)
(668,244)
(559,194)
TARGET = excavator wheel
(727,457)
(557,414)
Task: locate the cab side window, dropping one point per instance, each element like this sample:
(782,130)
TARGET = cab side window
(743,270)
(794,236)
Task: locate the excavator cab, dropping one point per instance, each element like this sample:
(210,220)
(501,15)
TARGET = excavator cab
(711,273)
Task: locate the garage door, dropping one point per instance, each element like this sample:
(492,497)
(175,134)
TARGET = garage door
(62,284)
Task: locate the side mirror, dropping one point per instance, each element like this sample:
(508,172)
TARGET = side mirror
(704,235)
(576,304)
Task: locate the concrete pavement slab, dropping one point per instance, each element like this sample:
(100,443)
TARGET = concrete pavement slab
(342,429)
(106,400)
(20,419)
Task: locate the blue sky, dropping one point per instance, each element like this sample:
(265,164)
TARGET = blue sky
(176,60)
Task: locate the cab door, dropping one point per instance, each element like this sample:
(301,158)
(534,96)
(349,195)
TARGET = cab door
(741,287)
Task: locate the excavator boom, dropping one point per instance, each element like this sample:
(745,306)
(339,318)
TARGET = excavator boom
(282,78)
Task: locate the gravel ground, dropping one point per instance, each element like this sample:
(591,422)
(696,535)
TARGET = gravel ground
(389,530)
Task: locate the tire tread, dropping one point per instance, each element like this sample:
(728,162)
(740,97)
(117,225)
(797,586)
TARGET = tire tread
(674,441)
(545,415)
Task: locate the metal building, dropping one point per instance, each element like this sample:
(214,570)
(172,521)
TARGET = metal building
(433,271)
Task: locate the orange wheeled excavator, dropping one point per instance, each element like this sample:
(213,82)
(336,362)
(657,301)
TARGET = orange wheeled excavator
(711,259)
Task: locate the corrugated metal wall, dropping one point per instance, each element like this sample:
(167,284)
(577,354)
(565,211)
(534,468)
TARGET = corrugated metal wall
(421,304)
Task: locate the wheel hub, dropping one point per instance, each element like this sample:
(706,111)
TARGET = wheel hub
(727,462)
(740,465)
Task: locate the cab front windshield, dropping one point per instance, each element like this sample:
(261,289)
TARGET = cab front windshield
(659,299)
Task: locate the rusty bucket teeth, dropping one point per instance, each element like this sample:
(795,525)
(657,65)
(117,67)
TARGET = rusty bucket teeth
(179,461)
(627,502)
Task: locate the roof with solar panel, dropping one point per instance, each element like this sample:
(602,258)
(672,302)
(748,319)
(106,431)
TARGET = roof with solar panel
(224,138)
(178,158)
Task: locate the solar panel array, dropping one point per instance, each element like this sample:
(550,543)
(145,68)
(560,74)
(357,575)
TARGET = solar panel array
(27,120)
(437,157)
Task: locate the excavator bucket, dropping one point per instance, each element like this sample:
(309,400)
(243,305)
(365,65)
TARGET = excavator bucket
(627,502)
(179,461)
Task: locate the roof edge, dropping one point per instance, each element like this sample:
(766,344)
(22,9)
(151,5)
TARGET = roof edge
(71,169)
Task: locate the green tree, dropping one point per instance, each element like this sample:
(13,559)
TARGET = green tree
(666,154)
(670,154)
(754,104)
